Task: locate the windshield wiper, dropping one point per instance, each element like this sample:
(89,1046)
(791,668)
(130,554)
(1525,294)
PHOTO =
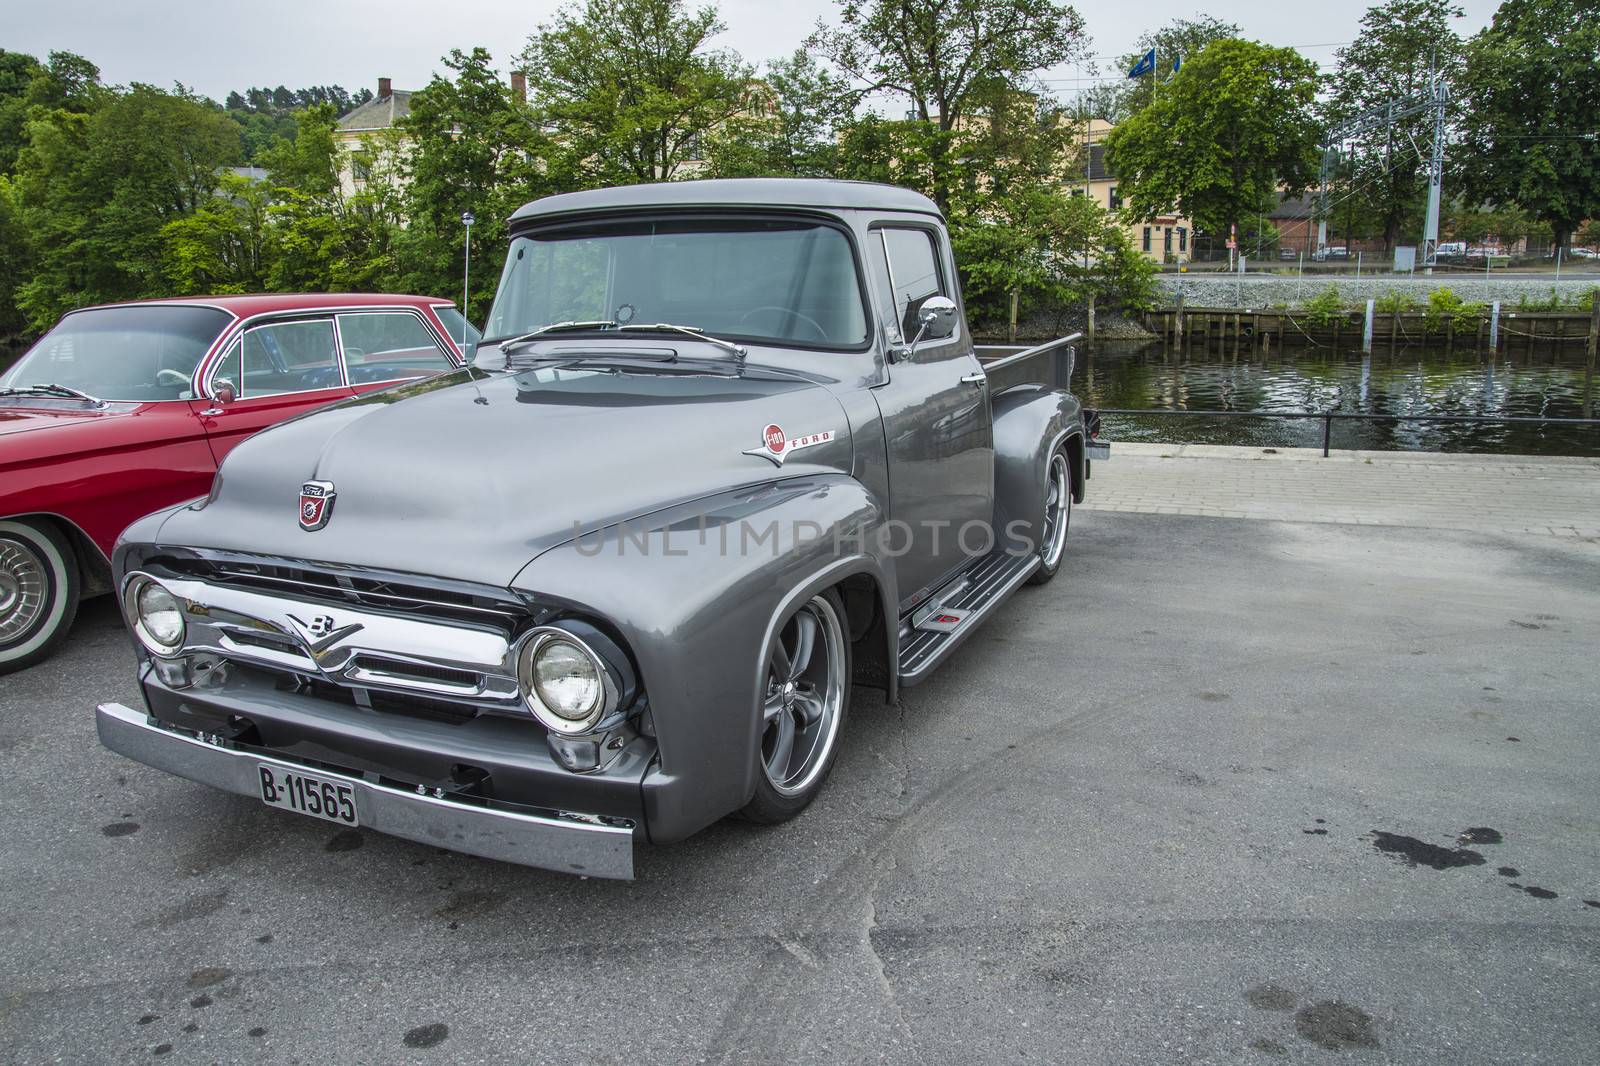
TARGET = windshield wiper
(693,331)
(554,327)
(51,389)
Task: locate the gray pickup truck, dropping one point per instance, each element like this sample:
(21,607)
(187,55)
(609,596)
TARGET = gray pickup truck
(727,450)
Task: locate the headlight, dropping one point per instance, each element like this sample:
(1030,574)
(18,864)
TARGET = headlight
(156,616)
(563,681)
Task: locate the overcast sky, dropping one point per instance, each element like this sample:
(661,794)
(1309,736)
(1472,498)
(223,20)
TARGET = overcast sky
(214,48)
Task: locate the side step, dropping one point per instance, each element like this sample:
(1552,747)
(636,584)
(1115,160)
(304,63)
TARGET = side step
(932,633)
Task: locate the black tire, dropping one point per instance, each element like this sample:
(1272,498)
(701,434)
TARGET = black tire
(39,587)
(778,801)
(1056,517)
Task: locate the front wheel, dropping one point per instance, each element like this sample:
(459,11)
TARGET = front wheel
(803,706)
(1057,516)
(38,592)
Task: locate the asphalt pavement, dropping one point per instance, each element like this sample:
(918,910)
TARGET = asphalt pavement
(1226,791)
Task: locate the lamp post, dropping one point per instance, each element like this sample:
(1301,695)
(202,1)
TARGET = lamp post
(467,220)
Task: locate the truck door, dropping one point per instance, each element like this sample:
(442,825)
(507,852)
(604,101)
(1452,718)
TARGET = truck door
(936,423)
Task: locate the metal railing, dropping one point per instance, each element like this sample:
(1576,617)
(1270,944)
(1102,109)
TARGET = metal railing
(1329,417)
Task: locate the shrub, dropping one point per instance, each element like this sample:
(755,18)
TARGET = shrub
(1394,301)
(1322,309)
(1445,308)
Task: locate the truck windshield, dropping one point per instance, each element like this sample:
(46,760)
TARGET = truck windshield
(136,352)
(775,281)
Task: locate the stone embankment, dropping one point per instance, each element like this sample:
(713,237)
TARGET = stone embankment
(1274,290)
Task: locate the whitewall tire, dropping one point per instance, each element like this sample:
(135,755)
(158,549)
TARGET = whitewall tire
(39,588)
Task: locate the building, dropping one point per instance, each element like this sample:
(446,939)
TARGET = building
(1168,238)
(361,127)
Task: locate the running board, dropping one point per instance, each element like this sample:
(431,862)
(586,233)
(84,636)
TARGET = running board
(929,636)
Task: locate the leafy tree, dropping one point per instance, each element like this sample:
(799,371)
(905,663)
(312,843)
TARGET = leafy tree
(948,58)
(791,128)
(16,254)
(1532,88)
(1237,125)
(1392,60)
(17,71)
(1179,39)
(95,190)
(223,246)
(474,148)
(632,86)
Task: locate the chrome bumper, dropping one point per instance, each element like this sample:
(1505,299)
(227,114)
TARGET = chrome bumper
(592,849)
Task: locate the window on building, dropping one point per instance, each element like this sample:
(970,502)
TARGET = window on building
(1183,238)
(1113,198)
(1147,238)
(1166,241)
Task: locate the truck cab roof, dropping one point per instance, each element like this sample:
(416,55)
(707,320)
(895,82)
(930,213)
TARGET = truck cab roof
(825,193)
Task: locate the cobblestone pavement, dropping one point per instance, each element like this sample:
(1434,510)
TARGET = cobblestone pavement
(1481,493)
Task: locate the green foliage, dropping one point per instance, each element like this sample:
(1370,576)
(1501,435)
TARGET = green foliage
(1446,308)
(790,131)
(1532,87)
(950,59)
(1116,100)
(222,246)
(1236,126)
(1395,301)
(632,86)
(1400,44)
(1324,308)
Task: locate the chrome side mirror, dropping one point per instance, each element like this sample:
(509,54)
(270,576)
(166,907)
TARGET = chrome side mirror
(223,392)
(938,318)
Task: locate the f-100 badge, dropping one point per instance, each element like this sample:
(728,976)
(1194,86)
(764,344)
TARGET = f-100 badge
(777,446)
(316,504)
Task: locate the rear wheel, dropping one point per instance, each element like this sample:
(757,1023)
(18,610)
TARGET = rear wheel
(803,707)
(38,592)
(1057,517)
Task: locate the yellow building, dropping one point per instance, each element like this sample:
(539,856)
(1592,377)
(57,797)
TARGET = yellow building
(1166,239)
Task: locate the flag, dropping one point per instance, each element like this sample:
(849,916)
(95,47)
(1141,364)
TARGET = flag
(1176,60)
(1146,64)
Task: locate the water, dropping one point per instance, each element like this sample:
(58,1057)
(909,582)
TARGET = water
(1410,381)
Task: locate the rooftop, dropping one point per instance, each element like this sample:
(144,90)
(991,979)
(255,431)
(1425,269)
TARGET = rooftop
(378,114)
(734,192)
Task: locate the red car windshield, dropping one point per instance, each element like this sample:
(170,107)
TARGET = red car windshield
(137,352)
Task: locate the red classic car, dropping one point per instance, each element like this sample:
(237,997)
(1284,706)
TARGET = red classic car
(124,409)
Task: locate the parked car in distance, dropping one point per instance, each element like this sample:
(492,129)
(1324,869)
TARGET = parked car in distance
(125,409)
(1288,253)
(727,450)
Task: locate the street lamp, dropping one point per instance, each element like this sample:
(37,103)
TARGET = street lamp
(467,220)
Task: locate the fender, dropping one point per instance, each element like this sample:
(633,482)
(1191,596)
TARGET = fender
(695,593)
(1030,422)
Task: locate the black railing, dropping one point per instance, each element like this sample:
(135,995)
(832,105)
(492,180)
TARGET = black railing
(1329,417)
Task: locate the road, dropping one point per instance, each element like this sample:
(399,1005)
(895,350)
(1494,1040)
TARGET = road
(1228,790)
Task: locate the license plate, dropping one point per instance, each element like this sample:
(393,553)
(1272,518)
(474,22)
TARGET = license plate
(309,794)
(1100,450)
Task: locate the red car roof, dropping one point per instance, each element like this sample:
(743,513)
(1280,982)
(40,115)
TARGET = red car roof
(260,303)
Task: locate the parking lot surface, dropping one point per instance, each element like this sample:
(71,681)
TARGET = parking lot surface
(1228,790)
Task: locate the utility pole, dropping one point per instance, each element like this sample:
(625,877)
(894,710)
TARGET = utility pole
(1439,95)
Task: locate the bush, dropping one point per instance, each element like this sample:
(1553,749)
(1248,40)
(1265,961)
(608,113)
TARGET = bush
(1324,308)
(1553,302)
(1446,308)
(1395,301)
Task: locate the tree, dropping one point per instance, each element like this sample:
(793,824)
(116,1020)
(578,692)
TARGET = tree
(1179,39)
(632,86)
(473,148)
(1236,126)
(1393,60)
(223,246)
(1532,88)
(948,58)
(791,129)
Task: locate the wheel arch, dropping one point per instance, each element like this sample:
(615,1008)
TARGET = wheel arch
(1030,423)
(94,569)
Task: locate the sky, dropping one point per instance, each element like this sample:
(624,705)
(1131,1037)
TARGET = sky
(213,48)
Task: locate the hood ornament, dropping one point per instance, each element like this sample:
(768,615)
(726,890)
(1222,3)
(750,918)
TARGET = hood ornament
(778,446)
(316,504)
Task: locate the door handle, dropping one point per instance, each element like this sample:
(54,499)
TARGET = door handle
(211,412)
(979,380)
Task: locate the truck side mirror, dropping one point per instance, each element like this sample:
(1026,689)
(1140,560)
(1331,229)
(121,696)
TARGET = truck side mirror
(938,318)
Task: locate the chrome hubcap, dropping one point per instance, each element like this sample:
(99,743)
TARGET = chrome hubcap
(1057,511)
(22,589)
(805,695)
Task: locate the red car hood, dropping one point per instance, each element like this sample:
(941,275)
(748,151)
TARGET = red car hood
(22,419)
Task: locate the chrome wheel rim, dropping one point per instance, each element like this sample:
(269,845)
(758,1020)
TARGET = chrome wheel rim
(23,586)
(804,697)
(1057,511)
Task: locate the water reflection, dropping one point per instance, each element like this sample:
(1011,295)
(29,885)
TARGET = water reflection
(1408,381)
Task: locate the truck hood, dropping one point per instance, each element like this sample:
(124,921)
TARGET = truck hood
(471,478)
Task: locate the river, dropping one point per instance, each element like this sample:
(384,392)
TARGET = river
(1415,381)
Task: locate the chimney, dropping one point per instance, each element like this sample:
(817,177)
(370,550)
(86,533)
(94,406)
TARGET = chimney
(519,87)
(385,87)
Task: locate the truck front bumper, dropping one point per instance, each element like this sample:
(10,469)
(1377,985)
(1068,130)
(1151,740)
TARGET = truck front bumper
(569,843)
